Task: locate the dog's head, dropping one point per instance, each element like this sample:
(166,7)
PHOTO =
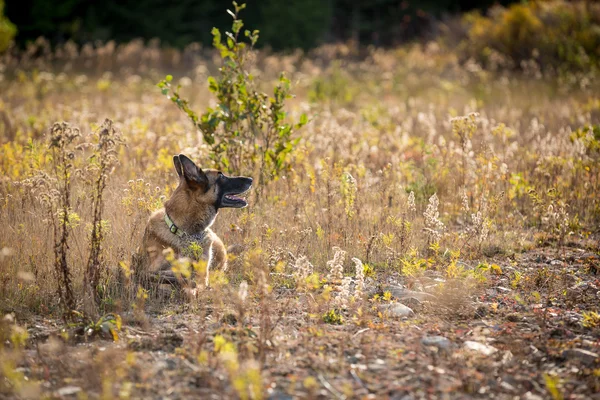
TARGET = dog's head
(209,186)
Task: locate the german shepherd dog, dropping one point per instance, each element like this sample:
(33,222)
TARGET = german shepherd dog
(186,219)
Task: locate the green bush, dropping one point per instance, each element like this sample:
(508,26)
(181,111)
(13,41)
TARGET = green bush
(248,129)
(7,30)
(556,34)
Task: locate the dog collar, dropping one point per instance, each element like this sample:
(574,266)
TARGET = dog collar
(172,227)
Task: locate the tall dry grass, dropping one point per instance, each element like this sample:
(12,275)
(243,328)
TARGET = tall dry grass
(414,168)
(503,156)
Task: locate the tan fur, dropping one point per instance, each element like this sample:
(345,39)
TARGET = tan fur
(192,211)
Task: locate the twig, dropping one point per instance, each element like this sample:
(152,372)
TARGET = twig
(191,366)
(281,274)
(329,387)
(137,331)
(360,331)
(358,380)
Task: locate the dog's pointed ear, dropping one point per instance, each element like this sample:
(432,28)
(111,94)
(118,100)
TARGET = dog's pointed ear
(178,166)
(194,176)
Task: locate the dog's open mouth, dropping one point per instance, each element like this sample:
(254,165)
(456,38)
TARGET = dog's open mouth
(234,200)
(233,191)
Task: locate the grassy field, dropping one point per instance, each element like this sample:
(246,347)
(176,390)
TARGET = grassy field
(434,236)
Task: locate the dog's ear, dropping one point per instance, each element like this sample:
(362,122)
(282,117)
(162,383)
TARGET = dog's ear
(178,166)
(194,176)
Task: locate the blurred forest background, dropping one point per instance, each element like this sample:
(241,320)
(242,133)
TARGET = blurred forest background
(284,24)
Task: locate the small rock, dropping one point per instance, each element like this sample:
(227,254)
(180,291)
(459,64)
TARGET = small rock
(397,310)
(278,395)
(590,256)
(68,390)
(437,341)
(507,386)
(159,366)
(507,357)
(371,288)
(531,396)
(163,342)
(402,396)
(581,287)
(585,356)
(480,347)
(402,293)
(377,367)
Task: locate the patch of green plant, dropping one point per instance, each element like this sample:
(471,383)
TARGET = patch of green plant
(108,326)
(8,30)
(333,317)
(562,34)
(591,320)
(247,127)
(368,270)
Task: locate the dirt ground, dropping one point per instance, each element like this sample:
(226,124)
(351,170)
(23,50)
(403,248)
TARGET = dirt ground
(502,341)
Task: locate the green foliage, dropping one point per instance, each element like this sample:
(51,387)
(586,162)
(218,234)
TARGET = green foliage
(245,377)
(333,317)
(591,319)
(7,29)
(589,136)
(368,271)
(289,24)
(107,326)
(349,189)
(553,34)
(413,265)
(248,127)
(552,386)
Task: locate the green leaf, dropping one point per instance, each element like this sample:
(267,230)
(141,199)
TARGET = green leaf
(303,120)
(213,86)
(243,113)
(237,25)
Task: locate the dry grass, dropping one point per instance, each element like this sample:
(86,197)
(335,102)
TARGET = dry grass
(511,159)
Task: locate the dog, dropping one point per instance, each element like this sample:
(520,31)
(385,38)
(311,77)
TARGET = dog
(186,220)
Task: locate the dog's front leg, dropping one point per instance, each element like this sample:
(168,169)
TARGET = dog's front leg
(218,255)
(217,258)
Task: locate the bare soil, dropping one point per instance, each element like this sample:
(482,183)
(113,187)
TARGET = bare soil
(530,350)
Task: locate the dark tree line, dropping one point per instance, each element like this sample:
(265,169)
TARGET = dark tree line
(283,24)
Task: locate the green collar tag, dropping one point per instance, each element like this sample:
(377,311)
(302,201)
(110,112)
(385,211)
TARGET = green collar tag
(172,227)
